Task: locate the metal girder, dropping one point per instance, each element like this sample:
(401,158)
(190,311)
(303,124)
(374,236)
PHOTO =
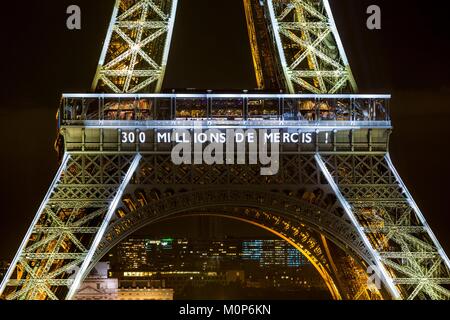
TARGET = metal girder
(64,229)
(412,281)
(56,256)
(136,49)
(394,228)
(408,255)
(43,282)
(309,47)
(302,25)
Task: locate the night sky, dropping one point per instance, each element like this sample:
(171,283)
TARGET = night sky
(41,59)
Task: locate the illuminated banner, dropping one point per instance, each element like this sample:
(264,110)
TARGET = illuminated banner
(222,136)
(230,146)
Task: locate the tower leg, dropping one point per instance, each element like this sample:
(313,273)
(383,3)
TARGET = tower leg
(408,256)
(70,223)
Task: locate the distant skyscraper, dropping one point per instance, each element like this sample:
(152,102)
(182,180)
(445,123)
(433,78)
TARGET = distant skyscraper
(138,254)
(272,253)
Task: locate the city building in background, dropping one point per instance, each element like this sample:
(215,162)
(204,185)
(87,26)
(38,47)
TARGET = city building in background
(98,286)
(188,266)
(272,253)
(137,253)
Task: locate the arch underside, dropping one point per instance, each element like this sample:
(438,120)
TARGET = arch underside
(329,242)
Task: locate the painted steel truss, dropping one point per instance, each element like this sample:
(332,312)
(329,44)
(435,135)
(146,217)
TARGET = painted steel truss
(287,206)
(96,198)
(357,200)
(309,47)
(70,222)
(137,46)
(408,254)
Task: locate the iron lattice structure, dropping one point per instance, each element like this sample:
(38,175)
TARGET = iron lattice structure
(309,47)
(136,49)
(337,198)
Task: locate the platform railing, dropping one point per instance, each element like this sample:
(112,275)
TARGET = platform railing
(77,109)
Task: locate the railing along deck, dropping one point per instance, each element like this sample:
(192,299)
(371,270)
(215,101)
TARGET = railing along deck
(224,110)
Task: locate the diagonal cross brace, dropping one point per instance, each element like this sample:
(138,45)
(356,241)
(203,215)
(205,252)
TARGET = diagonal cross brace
(84,267)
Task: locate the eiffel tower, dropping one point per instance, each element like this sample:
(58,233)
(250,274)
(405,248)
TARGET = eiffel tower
(338,199)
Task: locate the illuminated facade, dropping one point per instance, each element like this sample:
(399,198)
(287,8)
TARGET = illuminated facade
(272,253)
(98,286)
(337,194)
(266,263)
(145,294)
(142,254)
(175,280)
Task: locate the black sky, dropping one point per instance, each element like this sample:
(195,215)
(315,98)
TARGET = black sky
(41,59)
